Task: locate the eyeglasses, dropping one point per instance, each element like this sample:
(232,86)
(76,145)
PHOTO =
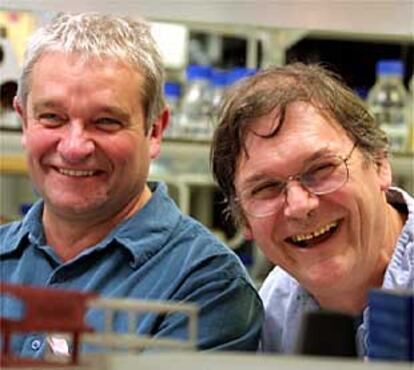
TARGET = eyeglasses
(323,176)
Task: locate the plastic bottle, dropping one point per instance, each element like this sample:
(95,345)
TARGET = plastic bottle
(410,115)
(195,118)
(388,101)
(219,83)
(172,92)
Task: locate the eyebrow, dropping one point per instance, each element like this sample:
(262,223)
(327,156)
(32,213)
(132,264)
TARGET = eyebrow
(255,177)
(45,104)
(115,111)
(323,152)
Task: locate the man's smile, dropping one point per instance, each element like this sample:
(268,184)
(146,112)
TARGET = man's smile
(76,173)
(319,235)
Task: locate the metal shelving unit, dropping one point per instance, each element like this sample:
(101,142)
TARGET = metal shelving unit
(360,18)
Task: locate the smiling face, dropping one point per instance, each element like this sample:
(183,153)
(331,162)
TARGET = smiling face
(324,241)
(87,152)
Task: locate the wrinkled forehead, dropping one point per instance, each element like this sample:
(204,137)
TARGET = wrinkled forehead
(297,133)
(79,58)
(286,124)
(78,65)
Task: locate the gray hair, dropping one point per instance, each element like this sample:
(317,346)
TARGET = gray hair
(276,88)
(98,35)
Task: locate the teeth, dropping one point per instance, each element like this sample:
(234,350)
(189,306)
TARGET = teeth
(309,236)
(75,173)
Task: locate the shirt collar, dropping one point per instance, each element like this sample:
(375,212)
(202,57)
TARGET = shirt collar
(143,234)
(30,227)
(399,271)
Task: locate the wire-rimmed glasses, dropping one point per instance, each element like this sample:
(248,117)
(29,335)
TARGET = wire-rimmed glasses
(323,176)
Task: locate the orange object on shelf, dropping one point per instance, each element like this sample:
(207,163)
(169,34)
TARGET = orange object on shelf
(46,310)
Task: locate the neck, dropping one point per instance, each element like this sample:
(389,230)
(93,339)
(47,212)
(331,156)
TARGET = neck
(69,236)
(351,302)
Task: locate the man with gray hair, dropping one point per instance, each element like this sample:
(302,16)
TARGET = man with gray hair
(91,102)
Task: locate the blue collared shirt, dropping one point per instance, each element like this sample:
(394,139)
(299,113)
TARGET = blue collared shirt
(157,254)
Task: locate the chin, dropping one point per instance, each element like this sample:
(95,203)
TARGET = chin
(78,207)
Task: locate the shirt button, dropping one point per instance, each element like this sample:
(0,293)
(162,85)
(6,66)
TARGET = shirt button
(36,344)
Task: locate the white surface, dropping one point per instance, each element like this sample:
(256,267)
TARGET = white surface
(223,361)
(172,39)
(386,17)
(233,361)
(8,67)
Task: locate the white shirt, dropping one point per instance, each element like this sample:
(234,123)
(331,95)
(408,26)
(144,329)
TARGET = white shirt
(285,300)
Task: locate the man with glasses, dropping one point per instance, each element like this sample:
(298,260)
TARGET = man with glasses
(304,169)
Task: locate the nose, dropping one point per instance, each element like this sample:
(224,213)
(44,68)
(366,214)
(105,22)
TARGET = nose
(76,144)
(299,202)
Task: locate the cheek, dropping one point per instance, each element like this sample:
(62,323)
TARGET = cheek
(125,150)
(357,202)
(38,143)
(265,232)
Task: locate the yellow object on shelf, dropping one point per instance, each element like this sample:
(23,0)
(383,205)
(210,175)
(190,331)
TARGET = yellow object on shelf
(13,164)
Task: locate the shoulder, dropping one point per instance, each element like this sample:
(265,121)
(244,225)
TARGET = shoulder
(205,249)
(214,278)
(208,262)
(404,203)
(400,271)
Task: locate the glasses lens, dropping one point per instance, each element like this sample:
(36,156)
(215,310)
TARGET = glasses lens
(326,176)
(262,208)
(322,177)
(263,199)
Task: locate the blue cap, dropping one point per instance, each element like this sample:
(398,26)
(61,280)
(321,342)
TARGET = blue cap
(239,73)
(172,88)
(24,208)
(362,92)
(390,67)
(219,78)
(196,72)
(246,259)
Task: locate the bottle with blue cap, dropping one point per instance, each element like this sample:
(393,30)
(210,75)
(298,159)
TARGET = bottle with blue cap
(388,100)
(219,84)
(410,115)
(172,92)
(238,73)
(195,118)
(221,80)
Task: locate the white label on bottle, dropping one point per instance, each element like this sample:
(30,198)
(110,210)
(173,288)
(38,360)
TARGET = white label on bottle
(397,136)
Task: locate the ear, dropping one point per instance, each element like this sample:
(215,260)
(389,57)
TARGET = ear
(157,131)
(384,173)
(247,232)
(18,107)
